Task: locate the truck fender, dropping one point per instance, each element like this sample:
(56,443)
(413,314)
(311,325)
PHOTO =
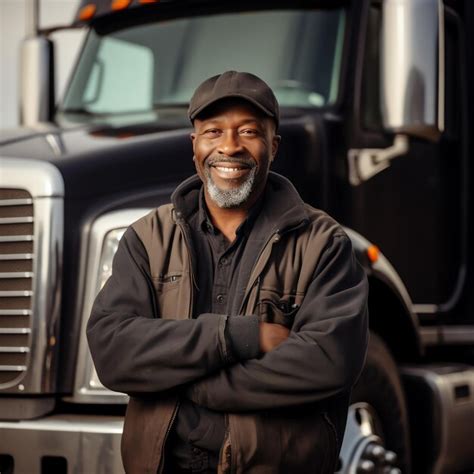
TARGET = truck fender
(388,294)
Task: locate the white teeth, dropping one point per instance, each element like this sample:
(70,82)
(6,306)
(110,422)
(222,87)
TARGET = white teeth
(226,169)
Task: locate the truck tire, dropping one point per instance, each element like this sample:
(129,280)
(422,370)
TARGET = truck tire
(379,394)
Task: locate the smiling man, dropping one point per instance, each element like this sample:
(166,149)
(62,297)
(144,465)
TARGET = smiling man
(235,317)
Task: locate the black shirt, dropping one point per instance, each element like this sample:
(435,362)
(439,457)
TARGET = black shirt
(221,267)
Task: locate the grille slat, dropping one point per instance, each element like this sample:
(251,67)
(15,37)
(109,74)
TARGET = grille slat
(15,312)
(16,220)
(16,281)
(12,368)
(16,238)
(15,294)
(15,350)
(15,331)
(16,202)
(16,256)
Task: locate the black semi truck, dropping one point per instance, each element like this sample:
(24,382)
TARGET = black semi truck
(377,119)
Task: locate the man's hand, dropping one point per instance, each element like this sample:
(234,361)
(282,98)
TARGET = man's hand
(271,336)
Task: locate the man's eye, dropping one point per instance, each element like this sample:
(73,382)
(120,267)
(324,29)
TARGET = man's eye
(212,132)
(250,132)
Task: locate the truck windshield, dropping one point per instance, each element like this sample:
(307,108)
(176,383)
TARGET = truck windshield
(151,67)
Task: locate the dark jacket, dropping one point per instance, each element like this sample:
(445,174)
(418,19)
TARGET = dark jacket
(286,410)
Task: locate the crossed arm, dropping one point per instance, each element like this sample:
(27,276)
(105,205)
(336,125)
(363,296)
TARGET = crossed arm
(135,352)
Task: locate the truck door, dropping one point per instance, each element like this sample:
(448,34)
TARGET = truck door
(414,209)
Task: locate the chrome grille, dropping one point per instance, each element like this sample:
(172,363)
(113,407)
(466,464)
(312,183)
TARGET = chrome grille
(16,281)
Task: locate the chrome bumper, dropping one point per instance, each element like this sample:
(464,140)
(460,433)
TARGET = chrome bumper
(87,444)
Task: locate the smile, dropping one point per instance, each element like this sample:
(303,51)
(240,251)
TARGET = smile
(228,169)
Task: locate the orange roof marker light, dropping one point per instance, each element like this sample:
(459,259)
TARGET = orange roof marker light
(87,12)
(120,4)
(373,253)
(148,1)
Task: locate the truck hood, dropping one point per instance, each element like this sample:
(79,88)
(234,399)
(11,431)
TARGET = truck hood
(100,160)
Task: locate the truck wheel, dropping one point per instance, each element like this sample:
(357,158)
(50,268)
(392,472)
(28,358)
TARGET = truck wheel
(377,433)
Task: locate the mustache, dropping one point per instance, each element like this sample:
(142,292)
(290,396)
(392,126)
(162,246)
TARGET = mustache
(248,162)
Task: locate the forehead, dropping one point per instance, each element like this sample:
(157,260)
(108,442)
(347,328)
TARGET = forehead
(232,107)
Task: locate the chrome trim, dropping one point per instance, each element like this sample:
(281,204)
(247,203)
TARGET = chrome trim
(16,238)
(15,350)
(17,256)
(15,331)
(84,391)
(39,178)
(16,274)
(15,202)
(16,220)
(15,294)
(15,312)
(457,335)
(12,368)
(425,308)
(90,444)
(365,163)
(411,76)
(45,184)
(36,80)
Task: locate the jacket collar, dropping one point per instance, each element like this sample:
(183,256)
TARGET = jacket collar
(282,205)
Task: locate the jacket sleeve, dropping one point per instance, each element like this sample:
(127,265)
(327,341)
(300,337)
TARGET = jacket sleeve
(323,355)
(134,351)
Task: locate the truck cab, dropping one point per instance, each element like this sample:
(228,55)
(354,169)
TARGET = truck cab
(376,113)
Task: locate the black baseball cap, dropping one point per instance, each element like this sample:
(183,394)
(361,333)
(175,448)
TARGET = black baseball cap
(242,85)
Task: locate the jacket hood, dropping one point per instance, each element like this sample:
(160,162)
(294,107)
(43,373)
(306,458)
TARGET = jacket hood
(287,209)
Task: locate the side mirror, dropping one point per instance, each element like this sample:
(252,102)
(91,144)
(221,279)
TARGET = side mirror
(412,67)
(37,80)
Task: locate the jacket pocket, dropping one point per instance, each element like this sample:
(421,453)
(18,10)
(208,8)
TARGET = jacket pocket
(164,283)
(170,297)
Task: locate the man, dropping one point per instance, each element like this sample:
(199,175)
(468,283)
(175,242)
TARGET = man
(235,317)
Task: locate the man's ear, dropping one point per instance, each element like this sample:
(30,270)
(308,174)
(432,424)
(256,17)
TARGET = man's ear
(193,138)
(275,143)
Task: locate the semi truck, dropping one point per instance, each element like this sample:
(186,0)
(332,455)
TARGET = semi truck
(377,113)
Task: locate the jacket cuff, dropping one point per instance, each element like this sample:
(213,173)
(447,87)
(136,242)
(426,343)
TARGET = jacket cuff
(242,335)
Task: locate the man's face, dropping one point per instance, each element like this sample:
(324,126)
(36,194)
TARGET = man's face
(234,145)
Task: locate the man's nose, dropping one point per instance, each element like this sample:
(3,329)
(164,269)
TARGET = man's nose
(230,143)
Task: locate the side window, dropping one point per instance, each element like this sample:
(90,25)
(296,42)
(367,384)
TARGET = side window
(370,100)
(121,69)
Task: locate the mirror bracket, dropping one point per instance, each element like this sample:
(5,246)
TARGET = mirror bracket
(365,163)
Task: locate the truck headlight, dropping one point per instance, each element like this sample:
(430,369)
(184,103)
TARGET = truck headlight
(104,238)
(111,242)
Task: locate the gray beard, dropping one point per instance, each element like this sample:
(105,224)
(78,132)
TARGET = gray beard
(228,198)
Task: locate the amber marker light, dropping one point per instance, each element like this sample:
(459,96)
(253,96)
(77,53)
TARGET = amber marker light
(120,4)
(373,253)
(87,12)
(147,1)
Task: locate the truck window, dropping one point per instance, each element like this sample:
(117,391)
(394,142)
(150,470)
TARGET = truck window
(147,67)
(108,76)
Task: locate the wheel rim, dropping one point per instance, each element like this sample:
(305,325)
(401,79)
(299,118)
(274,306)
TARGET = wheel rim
(363,449)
